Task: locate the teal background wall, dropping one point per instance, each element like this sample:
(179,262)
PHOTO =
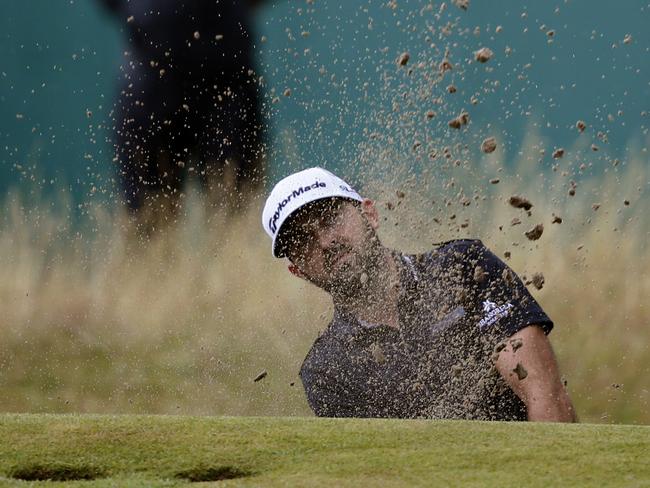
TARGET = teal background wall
(59,62)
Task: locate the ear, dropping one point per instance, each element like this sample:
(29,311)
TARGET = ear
(369,210)
(294,270)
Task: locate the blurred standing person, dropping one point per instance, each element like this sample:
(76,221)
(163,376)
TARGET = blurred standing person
(189,103)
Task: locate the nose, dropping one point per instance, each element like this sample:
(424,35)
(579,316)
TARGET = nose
(325,237)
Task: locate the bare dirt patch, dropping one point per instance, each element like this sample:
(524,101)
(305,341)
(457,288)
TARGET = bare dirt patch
(56,472)
(212,473)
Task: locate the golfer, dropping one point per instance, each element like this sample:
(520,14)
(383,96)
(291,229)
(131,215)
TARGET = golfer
(452,333)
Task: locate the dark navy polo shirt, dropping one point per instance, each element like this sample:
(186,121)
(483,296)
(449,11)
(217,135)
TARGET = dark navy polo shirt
(458,305)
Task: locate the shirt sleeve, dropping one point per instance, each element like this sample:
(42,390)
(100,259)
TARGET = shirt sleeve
(501,302)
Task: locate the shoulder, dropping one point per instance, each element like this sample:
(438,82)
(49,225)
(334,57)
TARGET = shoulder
(461,261)
(467,251)
(462,246)
(451,252)
(445,255)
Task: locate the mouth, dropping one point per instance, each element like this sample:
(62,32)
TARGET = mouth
(339,257)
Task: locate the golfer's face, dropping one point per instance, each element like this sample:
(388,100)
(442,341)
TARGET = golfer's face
(330,242)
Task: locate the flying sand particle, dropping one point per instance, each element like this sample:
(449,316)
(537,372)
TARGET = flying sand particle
(483,55)
(572,189)
(403,59)
(508,275)
(461,4)
(538,280)
(558,153)
(377,353)
(489,145)
(520,202)
(445,66)
(260,376)
(459,121)
(479,274)
(535,233)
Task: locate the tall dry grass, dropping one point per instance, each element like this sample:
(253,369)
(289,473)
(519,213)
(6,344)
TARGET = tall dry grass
(95,321)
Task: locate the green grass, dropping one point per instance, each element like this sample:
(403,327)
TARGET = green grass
(262,451)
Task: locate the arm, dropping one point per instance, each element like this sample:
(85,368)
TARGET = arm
(328,396)
(538,384)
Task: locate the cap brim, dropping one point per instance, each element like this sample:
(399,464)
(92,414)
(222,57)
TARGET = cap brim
(280,247)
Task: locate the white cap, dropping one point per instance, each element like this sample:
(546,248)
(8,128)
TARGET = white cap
(296,191)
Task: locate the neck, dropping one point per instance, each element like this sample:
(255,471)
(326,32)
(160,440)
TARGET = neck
(375,300)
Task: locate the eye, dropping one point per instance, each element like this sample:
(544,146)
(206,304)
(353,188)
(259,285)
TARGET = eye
(331,215)
(329,219)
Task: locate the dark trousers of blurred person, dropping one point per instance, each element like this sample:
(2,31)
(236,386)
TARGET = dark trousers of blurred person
(189,105)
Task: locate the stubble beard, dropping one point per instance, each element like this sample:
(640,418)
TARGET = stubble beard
(352,280)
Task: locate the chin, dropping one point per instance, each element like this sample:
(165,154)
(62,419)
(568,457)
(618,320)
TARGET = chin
(348,281)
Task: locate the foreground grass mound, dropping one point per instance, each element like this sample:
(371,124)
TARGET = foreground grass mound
(245,451)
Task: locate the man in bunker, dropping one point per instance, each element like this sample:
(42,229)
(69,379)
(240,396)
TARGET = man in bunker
(452,333)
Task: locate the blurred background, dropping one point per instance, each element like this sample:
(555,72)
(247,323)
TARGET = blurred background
(98,317)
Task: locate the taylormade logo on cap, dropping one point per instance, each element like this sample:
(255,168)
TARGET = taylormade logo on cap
(297,190)
(295,193)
